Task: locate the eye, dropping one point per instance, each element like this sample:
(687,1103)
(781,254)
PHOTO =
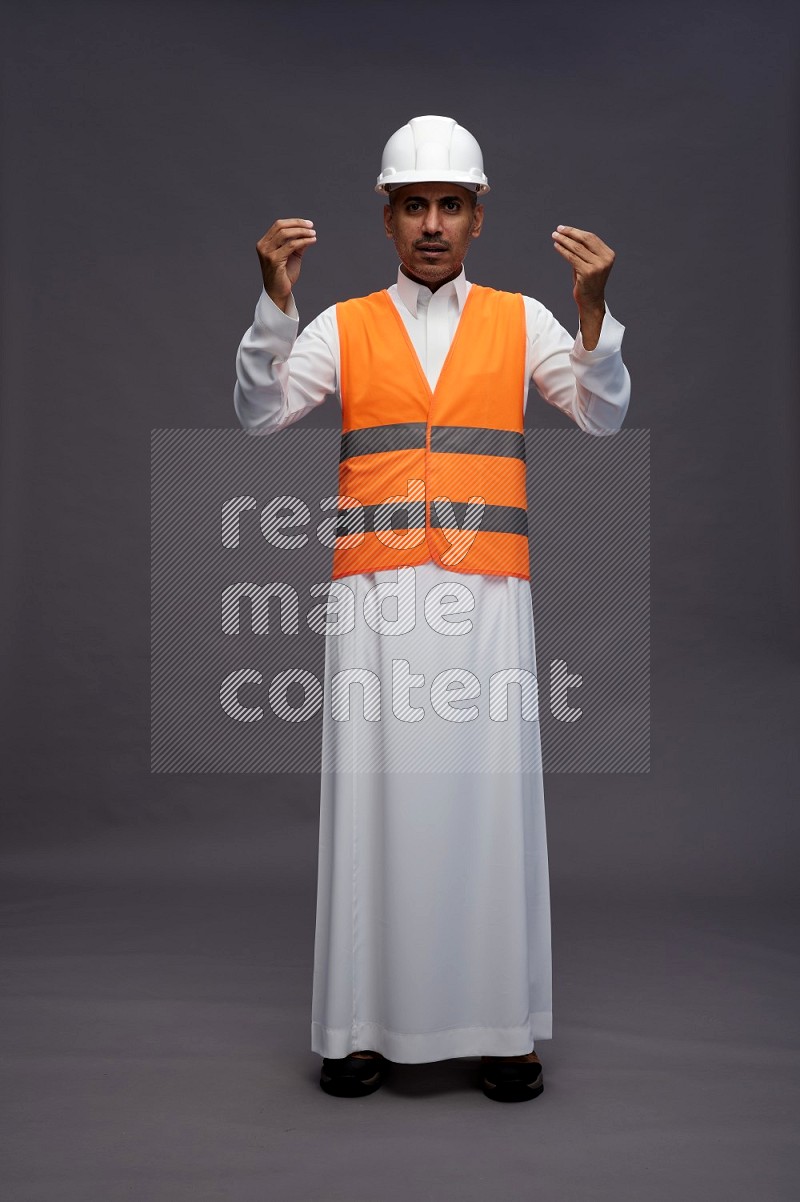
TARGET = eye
(453,205)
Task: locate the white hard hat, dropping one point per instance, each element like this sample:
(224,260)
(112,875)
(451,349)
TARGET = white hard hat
(432,149)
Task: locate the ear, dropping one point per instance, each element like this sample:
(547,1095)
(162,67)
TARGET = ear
(387,221)
(477,221)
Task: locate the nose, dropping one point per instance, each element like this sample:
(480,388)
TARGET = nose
(433,221)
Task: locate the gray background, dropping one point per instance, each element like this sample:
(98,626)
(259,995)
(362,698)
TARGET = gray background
(158,929)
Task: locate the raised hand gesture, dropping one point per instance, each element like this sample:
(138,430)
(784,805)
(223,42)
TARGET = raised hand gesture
(280,253)
(591,262)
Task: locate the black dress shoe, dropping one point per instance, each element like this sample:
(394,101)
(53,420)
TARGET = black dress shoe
(352,1076)
(506,1080)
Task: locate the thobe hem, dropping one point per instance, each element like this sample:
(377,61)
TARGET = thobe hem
(407,1048)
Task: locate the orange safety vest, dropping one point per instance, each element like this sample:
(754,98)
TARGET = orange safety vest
(403,445)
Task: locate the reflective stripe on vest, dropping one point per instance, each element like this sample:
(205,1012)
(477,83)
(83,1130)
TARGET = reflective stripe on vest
(433,474)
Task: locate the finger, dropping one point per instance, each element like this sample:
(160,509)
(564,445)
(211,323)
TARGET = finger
(292,244)
(293,234)
(578,252)
(580,269)
(276,237)
(593,259)
(579,244)
(288,225)
(586,237)
(286,242)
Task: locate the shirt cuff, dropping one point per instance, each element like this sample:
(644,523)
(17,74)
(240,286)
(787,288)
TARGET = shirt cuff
(270,317)
(609,342)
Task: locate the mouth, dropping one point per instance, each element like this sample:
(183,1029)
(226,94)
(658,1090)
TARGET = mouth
(432,250)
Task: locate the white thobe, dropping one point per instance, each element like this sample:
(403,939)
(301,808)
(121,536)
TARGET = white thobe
(433,910)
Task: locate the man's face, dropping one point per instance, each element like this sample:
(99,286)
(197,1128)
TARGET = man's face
(432,226)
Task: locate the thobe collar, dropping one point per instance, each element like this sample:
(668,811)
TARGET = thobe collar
(411,293)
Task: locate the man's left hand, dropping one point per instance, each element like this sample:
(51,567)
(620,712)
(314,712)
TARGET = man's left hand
(591,263)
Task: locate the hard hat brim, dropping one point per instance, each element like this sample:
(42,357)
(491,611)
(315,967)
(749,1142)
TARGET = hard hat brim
(398,179)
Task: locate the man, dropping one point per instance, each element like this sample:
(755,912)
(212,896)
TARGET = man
(433,920)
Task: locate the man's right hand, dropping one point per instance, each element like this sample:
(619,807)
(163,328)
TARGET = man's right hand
(280,252)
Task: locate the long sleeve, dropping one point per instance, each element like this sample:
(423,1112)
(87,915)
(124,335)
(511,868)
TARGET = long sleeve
(280,376)
(591,387)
